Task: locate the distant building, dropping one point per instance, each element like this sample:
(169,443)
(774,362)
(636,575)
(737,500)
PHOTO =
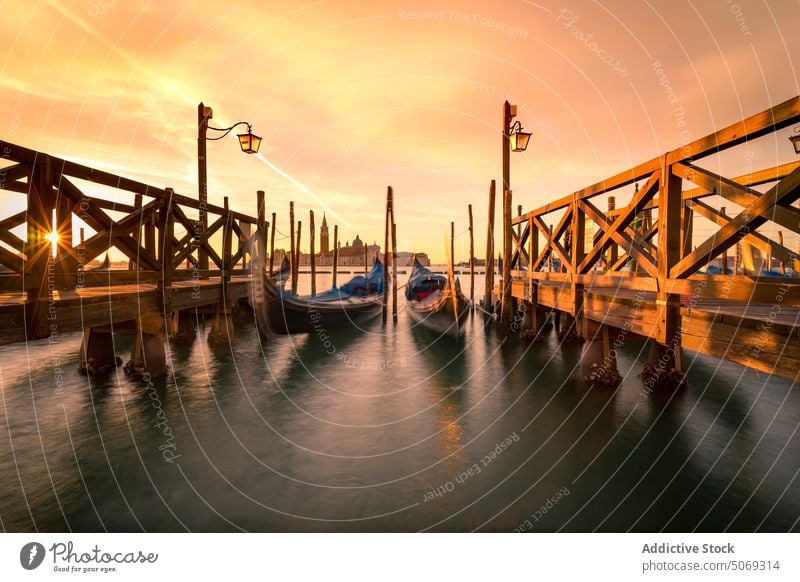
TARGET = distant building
(352,254)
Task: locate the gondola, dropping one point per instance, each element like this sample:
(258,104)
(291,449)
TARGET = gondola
(435,303)
(357,300)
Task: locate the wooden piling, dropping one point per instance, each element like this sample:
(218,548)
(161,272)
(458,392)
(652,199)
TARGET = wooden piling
(311,258)
(272,244)
(261,228)
(366,260)
(296,258)
(489,277)
(506,309)
(471,259)
(292,257)
(386,255)
(394,264)
(780,242)
(335,253)
(227,249)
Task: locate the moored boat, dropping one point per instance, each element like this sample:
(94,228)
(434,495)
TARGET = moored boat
(436,302)
(357,300)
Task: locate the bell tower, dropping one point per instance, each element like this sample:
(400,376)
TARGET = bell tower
(324,237)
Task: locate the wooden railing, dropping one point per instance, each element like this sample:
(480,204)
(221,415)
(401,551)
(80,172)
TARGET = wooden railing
(653,232)
(156,233)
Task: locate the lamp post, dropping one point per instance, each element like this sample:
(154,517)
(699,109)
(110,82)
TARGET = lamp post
(514,139)
(249,143)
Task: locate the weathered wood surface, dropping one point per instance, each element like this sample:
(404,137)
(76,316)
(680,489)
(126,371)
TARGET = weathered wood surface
(74,310)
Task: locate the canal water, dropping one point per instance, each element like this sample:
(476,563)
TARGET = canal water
(390,429)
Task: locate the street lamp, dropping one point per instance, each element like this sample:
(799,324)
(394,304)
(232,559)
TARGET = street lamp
(518,140)
(514,139)
(249,142)
(795,139)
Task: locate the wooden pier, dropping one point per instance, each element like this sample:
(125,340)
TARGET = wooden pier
(638,274)
(45,292)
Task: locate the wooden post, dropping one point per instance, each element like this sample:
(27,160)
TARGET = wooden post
(780,242)
(366,260)
(386,255)
(150,236)
(533,252)
(67,263)
(227,248)
(669,253)
(613,249)
(394,268)
(311,258)
(272,244)
(203,115)
(737,257)
(335,253)
(137,204)
(165,237)
(297,253)
(292,257)
(261,227)
(724,260)
(489,285)
(471,259)
(576,257)
(506,309)
(550,256)
(38,249)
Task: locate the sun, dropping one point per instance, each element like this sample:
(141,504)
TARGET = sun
(53,238)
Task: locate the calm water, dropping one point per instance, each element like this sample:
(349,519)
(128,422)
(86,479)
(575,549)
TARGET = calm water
(393,431)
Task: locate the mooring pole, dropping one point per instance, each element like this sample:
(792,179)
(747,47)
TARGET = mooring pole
(292,258)
(272,244)
(489,286)
(471,259)
(261,228)
(297,254)
(394,268)
(311,258)
(386,255)
(335,253)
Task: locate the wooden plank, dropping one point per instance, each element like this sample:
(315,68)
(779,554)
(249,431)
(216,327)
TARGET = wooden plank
(15,172)
(624,178)
(13,221)
(765,176)
(633,248)
(769,121)
(621,222)
(785,191)
(755,239)
(787,217)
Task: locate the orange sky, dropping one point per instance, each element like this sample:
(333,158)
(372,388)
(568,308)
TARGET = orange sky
(353,96)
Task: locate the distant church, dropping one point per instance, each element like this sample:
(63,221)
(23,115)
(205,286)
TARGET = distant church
(352,255)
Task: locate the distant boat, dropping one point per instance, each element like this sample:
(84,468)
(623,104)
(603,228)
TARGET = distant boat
(103,266)
(435,302)
(359,299)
